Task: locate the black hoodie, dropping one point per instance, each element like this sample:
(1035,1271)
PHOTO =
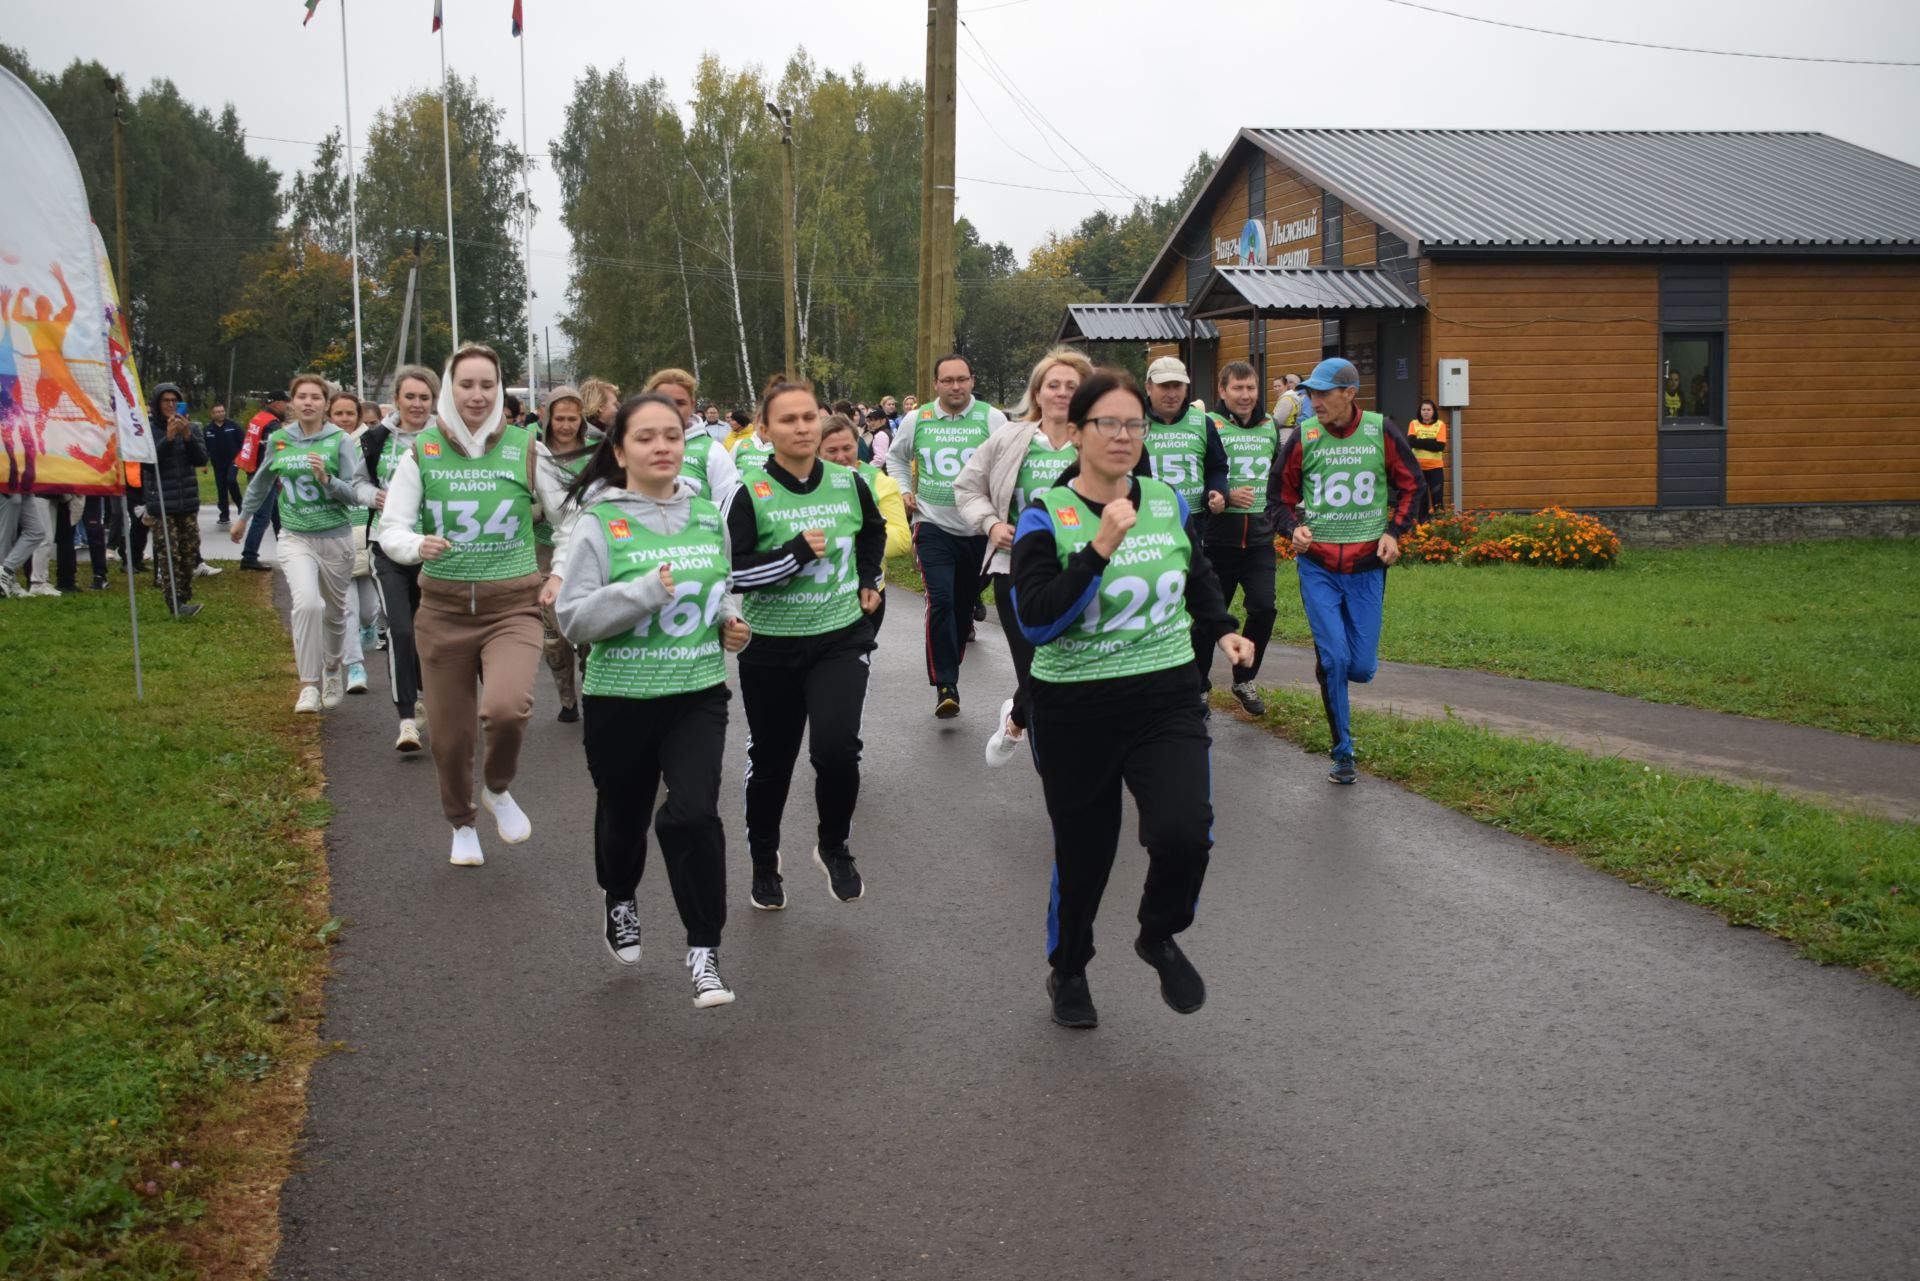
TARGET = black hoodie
(176,481)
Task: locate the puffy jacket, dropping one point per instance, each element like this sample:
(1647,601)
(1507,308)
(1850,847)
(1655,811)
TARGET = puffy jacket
(177,483)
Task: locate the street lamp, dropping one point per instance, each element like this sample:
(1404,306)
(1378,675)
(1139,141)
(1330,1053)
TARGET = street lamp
(783,116)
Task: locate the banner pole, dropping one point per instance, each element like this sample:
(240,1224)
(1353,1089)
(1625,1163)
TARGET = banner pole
(353,215)
(446,160)
(126,563)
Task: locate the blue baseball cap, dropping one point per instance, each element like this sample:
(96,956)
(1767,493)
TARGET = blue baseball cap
(1329,374)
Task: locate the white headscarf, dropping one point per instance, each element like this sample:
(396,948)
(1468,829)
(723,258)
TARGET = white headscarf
(471,443)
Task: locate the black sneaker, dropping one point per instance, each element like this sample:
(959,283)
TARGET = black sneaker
(1249,698)
(979,611)
(622,919)
(1181,986)
(843,878)
(568,715)
(1072,1002)
(255,565)
(1342,772)
(100,583)
(946,704)
(188,608)
(768,895)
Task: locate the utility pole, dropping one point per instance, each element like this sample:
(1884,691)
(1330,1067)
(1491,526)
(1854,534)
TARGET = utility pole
(937,287)
(120,190)
(789,262)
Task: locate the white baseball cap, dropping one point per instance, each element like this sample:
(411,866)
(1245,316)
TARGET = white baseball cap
(1167,369)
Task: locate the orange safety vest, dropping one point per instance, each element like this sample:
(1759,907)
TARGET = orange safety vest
(1429,441)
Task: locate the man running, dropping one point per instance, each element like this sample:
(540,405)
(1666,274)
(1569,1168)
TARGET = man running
(933,443)
(1183,447)
(1239,540)
(1347,488)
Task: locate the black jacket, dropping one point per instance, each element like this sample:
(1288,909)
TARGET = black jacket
(175,476)
(1233,529)
(223,441)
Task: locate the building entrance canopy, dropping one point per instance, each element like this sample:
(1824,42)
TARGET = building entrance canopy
(1300,292)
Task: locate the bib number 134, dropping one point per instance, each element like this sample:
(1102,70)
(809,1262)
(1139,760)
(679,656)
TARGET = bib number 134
(1128,596)
(466,526)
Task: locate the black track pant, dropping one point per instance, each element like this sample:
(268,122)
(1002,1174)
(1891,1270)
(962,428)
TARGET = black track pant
(823,701)
(1160,753)
(1250,570)
(632,745)
(1019,646)
(399,588)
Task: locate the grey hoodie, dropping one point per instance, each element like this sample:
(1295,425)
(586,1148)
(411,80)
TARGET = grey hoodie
(590,607)
(350,488)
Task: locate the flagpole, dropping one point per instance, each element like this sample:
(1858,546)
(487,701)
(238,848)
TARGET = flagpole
(446,156)
(526,231)
(353,216)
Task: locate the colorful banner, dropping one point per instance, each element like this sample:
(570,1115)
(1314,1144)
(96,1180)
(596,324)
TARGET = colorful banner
(129,402)
(57,416)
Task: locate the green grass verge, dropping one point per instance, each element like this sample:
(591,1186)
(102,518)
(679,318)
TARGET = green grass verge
(162,926)
(1824,634)
(1841,886)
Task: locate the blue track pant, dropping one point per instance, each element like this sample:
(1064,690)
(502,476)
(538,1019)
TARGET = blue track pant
(1344,611)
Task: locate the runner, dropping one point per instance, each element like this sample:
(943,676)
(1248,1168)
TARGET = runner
(838,444)
(1109,584)
(1009,471)
(708,467)
(365,624)
(476,479)
(807,540)
(648,590)
(1347,487)
(564,444)
(318,476)
(1239,539)
(252,453)
(754,448)
(925,458)
(598,399)
(415,389)
(1428,437)
(1183,447)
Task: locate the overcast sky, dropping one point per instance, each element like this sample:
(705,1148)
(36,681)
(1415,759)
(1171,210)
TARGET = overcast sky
(1138,87)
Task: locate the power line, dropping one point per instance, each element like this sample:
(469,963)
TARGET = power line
(1025,186)
(1645,44)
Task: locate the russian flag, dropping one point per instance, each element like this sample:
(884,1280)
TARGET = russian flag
(436,15)
(516,17)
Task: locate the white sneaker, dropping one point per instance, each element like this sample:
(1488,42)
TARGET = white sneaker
(466,848)
(708,987)
(1002,747)
(10,586)
(356,678)
(309,700)
(513,822)
(332,689)
(205,570)
(420,712)
(409,740)
(43,589)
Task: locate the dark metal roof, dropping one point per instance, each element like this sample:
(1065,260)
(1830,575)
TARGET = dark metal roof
(1481,188)
(1300,291)
(1129,322)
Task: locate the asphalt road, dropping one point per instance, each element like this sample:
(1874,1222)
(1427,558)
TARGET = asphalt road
(1431,1050)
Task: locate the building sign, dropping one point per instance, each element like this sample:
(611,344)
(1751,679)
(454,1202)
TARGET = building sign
(1286,233)
(1248,251)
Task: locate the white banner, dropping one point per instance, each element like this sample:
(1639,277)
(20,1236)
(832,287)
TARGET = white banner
(129,402)
(57,416)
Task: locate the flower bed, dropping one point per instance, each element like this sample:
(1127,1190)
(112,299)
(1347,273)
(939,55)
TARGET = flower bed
(1552,536)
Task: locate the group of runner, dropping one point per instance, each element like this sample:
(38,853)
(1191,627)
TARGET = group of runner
(627,546)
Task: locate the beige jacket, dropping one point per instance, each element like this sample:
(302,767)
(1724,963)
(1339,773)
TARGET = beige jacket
(984,491)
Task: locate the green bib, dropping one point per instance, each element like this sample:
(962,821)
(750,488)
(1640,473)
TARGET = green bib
(305,505)
(750,452)
(391,451)
(825,595)
(675,650)
(1137,622)
(1039,471)
(543,528)
(1249,458)
(1178,452)
(481,505)
(693,468)
(942,446)
(1344,482)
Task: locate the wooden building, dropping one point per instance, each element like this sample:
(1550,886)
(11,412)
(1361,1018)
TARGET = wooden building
(1656,321)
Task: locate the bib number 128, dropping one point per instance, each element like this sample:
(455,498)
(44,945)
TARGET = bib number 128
(1129,595)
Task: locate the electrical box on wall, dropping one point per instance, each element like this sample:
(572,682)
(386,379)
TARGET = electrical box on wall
(1452,384)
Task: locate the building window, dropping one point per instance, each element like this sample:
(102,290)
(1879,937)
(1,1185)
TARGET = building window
(1691,377)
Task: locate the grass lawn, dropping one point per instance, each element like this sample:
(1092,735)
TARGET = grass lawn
(1824,634)
(162,931)
(1843,887)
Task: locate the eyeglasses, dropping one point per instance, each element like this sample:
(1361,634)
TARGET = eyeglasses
(1114,428)
(961,381)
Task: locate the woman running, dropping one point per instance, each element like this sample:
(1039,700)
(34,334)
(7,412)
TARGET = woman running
(708,467)
(564,446)
(363,600)
(647,588)
(321,476)
(1107,584)
(995,486)
(415,390)
(476,479)
(838,445)
(807,541)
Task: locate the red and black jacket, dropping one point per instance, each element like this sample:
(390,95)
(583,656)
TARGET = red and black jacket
(1403,481)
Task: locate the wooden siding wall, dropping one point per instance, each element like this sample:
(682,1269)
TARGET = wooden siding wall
(1809,338)
(1565,359)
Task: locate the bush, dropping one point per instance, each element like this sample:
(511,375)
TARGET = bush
(1552,536)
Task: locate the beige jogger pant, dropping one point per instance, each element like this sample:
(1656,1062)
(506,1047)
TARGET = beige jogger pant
(319,568)
(479,654)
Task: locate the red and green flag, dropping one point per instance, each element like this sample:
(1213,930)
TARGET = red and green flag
(516,17)
(311,6)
